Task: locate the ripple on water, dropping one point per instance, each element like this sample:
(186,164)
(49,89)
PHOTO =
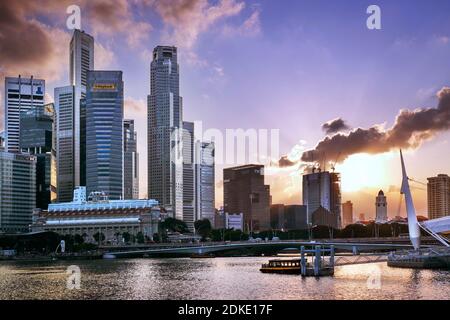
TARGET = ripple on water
(218,278)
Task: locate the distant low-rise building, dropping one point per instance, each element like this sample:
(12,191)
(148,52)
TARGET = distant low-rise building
(219,219)
(347,213)
(323,217)
(234,221)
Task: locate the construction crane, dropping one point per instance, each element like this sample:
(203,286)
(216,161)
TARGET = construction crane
(333,166)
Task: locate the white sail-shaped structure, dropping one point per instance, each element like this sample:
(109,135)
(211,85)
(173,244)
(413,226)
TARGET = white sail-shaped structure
(413,225)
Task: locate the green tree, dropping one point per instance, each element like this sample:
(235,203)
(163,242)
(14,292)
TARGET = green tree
(203,228)
(140,237)
(174,225)
(78,239)
(99,237)
(126,237)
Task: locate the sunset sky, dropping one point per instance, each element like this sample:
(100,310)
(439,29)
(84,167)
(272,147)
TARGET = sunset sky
(287,65)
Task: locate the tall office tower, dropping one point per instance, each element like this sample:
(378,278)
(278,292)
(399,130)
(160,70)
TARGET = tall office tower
(17,191)
(189,191)
(104,133)
(36,139)
(381,208)
(165,164)
(438,192)
(53,160)
(70,118)
(244,191)
(65,165)
(81,61)
(21,95)
(323,189)
(205,181)
(131,161)
(347,213)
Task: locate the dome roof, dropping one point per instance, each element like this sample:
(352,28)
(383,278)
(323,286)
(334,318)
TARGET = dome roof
(381,193)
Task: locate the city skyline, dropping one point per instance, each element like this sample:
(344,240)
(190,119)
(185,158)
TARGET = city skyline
(215,88)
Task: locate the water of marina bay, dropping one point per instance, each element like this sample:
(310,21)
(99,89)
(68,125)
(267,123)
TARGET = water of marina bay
(216,278)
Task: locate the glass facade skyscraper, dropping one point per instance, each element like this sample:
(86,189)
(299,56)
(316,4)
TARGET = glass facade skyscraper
(204,181)
(36,126)
(64,110)
(188,175)
(104,133)
(131,161)
(70,118)
(322,190)
(81,61)
(165,164)
(17,191)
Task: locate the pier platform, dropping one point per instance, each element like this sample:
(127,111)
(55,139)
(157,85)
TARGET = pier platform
(426,258)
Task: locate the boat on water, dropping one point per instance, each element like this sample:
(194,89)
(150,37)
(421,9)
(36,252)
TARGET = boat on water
(282,266)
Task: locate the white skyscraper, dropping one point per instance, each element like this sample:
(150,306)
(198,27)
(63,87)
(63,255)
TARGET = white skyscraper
(21,95)
(381,208)
(165,123)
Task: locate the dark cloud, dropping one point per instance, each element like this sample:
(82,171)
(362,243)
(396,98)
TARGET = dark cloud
(22,41)
(411,128)
(285,162)
(334,126)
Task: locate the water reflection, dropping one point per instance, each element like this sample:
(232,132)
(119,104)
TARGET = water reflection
(218,278)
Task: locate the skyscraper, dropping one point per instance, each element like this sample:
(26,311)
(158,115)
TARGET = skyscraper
(36,128)
(322,189)
(165,165)
(438,192)
(347,213)
(65,169)
(70,118)
(131,161)
(81,61)
(104,133)
(381,208)
(21,95)
(204,180)
(244,191)
(17,191)
(189,191)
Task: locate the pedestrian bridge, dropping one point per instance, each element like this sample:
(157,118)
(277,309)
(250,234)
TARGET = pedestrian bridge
(260,247)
